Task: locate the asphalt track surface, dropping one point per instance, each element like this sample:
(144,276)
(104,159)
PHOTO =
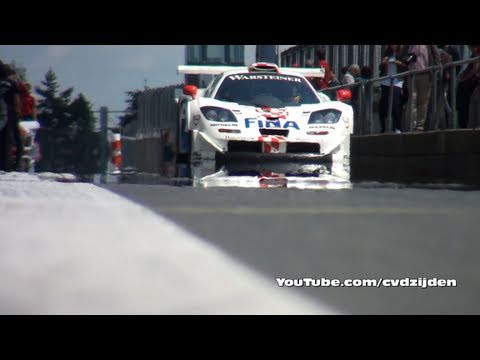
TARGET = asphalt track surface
(368,232)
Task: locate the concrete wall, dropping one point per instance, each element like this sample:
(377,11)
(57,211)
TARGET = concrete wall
(451,156)
(150,155)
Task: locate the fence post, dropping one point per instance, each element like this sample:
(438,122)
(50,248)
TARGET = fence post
(104,139)
(453,92)
(362,107)
(389,124)
(434,114)
(411,120)
(370,106)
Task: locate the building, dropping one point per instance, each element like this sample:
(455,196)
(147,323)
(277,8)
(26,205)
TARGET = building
(267,53)
(233,55)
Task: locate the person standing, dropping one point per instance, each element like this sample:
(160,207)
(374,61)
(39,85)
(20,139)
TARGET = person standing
(15,117)
(390,66)
(469,79)
(28,102)
(474,106)
(420,57)
(323,63)
(10,96)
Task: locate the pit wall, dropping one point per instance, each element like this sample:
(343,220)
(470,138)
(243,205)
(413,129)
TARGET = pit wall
(449,156)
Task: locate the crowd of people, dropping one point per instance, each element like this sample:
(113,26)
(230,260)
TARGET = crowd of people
(411,106)
(16,104)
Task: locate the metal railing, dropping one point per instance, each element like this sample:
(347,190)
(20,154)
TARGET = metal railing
(363,99)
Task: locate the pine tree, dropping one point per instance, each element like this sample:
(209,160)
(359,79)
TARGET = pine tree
(53,106)
(132,108)
(67,137)
(86,154)
(82,114)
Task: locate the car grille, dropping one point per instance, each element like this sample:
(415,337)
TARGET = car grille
(245,146)
(256,147)
(281,132)
(303,148)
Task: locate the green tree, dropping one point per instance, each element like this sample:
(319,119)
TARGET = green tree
(86,154)
(82,114)
(67,138)
(53,106)
(132,108)
(20,70)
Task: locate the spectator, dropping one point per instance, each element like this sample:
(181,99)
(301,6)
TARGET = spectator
(391,65)
(28,102)
(322,63)
(453,52)
(344,70)
(455,56)
(420,57)
(352,74)
(15,119)
(468,81)
(9,91)
(309,64)
(365,73)
(443,92)
(3,105)
(333,80)
(474,106)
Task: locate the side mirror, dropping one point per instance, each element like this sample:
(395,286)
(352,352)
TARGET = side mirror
(190,90)
(344,95)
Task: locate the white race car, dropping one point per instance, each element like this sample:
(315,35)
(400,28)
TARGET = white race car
(266,111)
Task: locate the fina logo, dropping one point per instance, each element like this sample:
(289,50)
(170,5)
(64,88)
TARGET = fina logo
(271,124)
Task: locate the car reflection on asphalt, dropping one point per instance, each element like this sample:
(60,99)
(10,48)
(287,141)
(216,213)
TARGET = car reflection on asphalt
(281,175)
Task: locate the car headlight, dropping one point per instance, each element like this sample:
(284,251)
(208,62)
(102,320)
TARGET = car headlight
(326,116)
(213,113)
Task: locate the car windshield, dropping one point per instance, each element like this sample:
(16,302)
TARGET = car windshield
(266,90)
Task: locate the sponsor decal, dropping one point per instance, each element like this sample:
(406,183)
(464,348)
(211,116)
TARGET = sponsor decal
(264,77)
(212,124)
(271,124)
(238,138)
(322,127)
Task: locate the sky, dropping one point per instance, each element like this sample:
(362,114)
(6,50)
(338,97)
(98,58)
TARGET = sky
(103,73)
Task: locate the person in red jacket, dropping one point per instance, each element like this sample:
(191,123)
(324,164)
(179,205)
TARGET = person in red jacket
(322,63)
(28,102)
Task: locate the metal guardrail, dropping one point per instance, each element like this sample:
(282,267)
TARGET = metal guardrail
(365,97)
